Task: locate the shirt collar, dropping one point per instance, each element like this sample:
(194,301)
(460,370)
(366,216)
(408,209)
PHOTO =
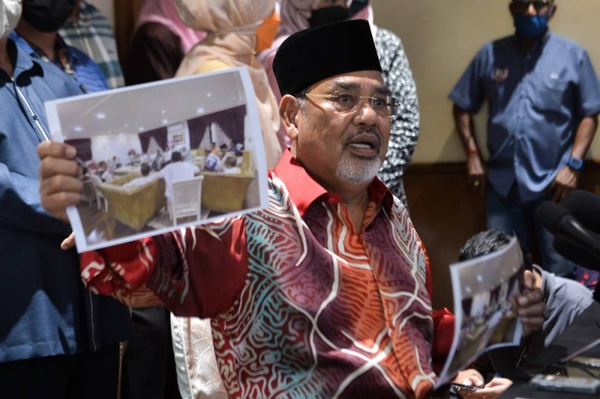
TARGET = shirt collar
(304,190)
(22,61)
(24,44)
(538,45)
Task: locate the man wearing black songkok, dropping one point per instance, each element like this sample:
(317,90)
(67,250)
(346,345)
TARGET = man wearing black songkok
(323,294)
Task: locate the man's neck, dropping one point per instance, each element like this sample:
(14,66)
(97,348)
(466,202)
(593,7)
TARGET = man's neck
(46,41)
(529,43)
(5,62)
(355,198)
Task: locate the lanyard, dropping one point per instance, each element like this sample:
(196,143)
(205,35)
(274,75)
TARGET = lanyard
(38,124)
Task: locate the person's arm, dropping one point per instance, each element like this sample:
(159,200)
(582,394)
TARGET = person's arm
(567,178)
(476,170)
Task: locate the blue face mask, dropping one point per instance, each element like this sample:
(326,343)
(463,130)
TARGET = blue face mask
(531,26)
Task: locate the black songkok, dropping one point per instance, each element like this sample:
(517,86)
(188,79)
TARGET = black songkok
(314,54)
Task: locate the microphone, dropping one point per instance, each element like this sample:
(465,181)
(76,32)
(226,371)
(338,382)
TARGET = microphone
(571,239)
(585,207)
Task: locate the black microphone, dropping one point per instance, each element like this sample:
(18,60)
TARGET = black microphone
(571,239)
(585,207)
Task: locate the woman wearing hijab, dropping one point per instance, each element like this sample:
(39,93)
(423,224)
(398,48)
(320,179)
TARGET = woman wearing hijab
(231,41)
(159,43)
(301,14)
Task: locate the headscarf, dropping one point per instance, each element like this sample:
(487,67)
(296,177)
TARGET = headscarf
(10,12)
(367,13)
(231,27)
(164,12)
(294,15)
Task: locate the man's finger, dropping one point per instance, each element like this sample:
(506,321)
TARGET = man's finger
(57,203)
(51,149)
(60,183)
(68,242)
(56,166)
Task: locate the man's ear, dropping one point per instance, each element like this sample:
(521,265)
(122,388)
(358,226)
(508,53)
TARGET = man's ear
(554,8)
(289,110)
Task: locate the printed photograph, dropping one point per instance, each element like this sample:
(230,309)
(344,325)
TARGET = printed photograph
(485,293)
(159,157)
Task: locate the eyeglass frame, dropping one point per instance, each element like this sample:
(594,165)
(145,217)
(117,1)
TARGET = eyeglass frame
(538,9)
(390,102)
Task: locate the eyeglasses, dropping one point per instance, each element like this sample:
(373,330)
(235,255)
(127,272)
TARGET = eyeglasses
(385,106)
(522,6)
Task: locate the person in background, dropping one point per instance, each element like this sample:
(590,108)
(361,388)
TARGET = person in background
(213,160)
(230,165)
(323,293)
(543,99)
(57,340)
(177,170)
(397,75)
(159,43)
(37,34)
(145,177)
(89,31)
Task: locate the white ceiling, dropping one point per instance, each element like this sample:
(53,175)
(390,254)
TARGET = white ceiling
(149,106)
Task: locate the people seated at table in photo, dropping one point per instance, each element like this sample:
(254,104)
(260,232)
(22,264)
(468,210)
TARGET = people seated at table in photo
(236,148)
(230,165)
(143,180)
(175,171)
(105,172)
(134,157)
(114,162)
(213,161)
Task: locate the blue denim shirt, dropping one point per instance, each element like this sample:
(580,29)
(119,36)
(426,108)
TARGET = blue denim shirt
(45,309)
(536,101)
(87,73)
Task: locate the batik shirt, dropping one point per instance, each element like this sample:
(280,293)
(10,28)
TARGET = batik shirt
(301,303)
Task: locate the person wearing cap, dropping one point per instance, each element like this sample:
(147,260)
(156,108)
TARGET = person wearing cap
(543,100)
(324,293)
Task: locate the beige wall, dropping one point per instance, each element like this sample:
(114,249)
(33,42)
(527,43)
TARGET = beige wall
(442,36)
(106,7)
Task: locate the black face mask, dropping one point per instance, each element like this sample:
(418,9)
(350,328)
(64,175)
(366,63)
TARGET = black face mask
(47,15)
(328,15)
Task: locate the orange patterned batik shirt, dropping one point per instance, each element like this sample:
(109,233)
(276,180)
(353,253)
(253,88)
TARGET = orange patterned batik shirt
(301,304)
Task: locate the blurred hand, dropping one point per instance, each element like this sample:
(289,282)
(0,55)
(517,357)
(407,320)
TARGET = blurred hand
(492,389)
(470,377)
(477,172)
(531,306)
(68,242)
(566,180)
(59,182)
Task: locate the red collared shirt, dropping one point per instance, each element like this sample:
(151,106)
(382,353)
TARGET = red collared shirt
(301,303)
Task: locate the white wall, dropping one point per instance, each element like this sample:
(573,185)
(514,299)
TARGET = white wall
(442,36)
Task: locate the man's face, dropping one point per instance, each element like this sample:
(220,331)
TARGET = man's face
(343,147)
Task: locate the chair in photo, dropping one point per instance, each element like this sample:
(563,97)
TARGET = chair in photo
(100,198)
(187,196)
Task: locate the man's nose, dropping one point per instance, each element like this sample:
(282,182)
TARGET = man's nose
(531,10)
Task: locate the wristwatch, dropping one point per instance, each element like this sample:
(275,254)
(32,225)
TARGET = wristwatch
(575,163)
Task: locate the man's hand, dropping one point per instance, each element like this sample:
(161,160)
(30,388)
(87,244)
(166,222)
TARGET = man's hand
(531,305)
(59,182)
(565,181)
(492,389)
(477,172)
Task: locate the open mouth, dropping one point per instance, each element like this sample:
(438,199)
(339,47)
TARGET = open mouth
(366,145)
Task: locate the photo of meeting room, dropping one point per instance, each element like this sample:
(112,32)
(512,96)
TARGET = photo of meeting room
(162,157)
(485,291)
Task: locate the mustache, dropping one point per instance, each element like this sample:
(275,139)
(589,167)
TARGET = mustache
(369,130)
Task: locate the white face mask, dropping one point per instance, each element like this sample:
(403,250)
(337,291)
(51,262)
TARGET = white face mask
(10,12)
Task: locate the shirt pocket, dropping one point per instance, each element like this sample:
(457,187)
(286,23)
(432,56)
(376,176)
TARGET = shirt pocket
(551,94)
